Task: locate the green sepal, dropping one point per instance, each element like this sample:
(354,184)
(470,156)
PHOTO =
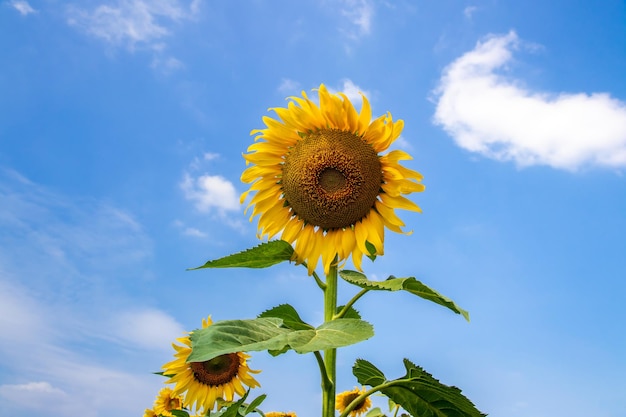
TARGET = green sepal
(371,249)
(417,392)
(406,284)
(261,256)
(271,334)
(179,413)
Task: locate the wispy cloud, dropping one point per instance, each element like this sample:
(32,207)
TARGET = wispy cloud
(65,324)
(469,11)
(22,6)
(359,14)
(132,22)
(209,192)
(496,116)
(289,87)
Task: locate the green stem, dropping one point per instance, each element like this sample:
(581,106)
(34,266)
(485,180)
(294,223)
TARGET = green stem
(318,281)
(354,299)
(330,355)
(320,361)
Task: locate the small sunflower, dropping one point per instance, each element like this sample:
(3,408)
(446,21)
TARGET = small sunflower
(280,414)
(202,383)
(165,402)
(320,181)
(344,399)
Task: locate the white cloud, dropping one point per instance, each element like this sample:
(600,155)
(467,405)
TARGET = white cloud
(469,11)
(166,65)
(146,328)
(23,7)
(353,92)
(131,22)
(360,14)
(211,192)
(496,116)
(60,304)
(192,231)
(289,87)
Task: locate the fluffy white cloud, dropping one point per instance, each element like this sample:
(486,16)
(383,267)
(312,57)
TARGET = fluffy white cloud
(352,91)
(146,328)
(211,192)
(491,114)
(22,6)
(131,21)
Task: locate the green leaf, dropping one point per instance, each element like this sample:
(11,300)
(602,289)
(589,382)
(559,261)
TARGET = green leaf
(410,285)
(367,374)
(232,410)
(270,333)
(335,334)
(350,314)
(375,412)
(254,404)
(261,256)
(289,315)
(418,392)
(179,413)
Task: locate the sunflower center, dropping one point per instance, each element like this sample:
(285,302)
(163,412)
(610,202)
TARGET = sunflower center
(351,397)
(174,404)
(217,371)
(331,178)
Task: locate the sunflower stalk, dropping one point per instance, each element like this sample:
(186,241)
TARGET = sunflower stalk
(330,355)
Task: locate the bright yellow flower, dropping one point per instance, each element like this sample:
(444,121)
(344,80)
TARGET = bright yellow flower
(318,179)
(202,383)
(166,401)
(344,399)
(280,414)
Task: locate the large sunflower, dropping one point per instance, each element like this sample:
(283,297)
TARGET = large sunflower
(318,177)
(345,398)
(202,383)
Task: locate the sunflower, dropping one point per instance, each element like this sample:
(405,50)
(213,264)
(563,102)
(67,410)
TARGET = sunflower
(166,401)
(280,414)
(318,179)
(344,399)
(202,383)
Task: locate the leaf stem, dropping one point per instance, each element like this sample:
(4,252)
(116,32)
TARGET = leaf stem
(354,299)
(318,281)
(320,361)
(330,355)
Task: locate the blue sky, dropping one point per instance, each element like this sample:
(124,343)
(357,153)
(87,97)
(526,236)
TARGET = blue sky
(122,124)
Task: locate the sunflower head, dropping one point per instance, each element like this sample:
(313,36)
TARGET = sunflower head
(345,398)
(201,384)
(166,401)
(280,414)
(319,179)
(149,412)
